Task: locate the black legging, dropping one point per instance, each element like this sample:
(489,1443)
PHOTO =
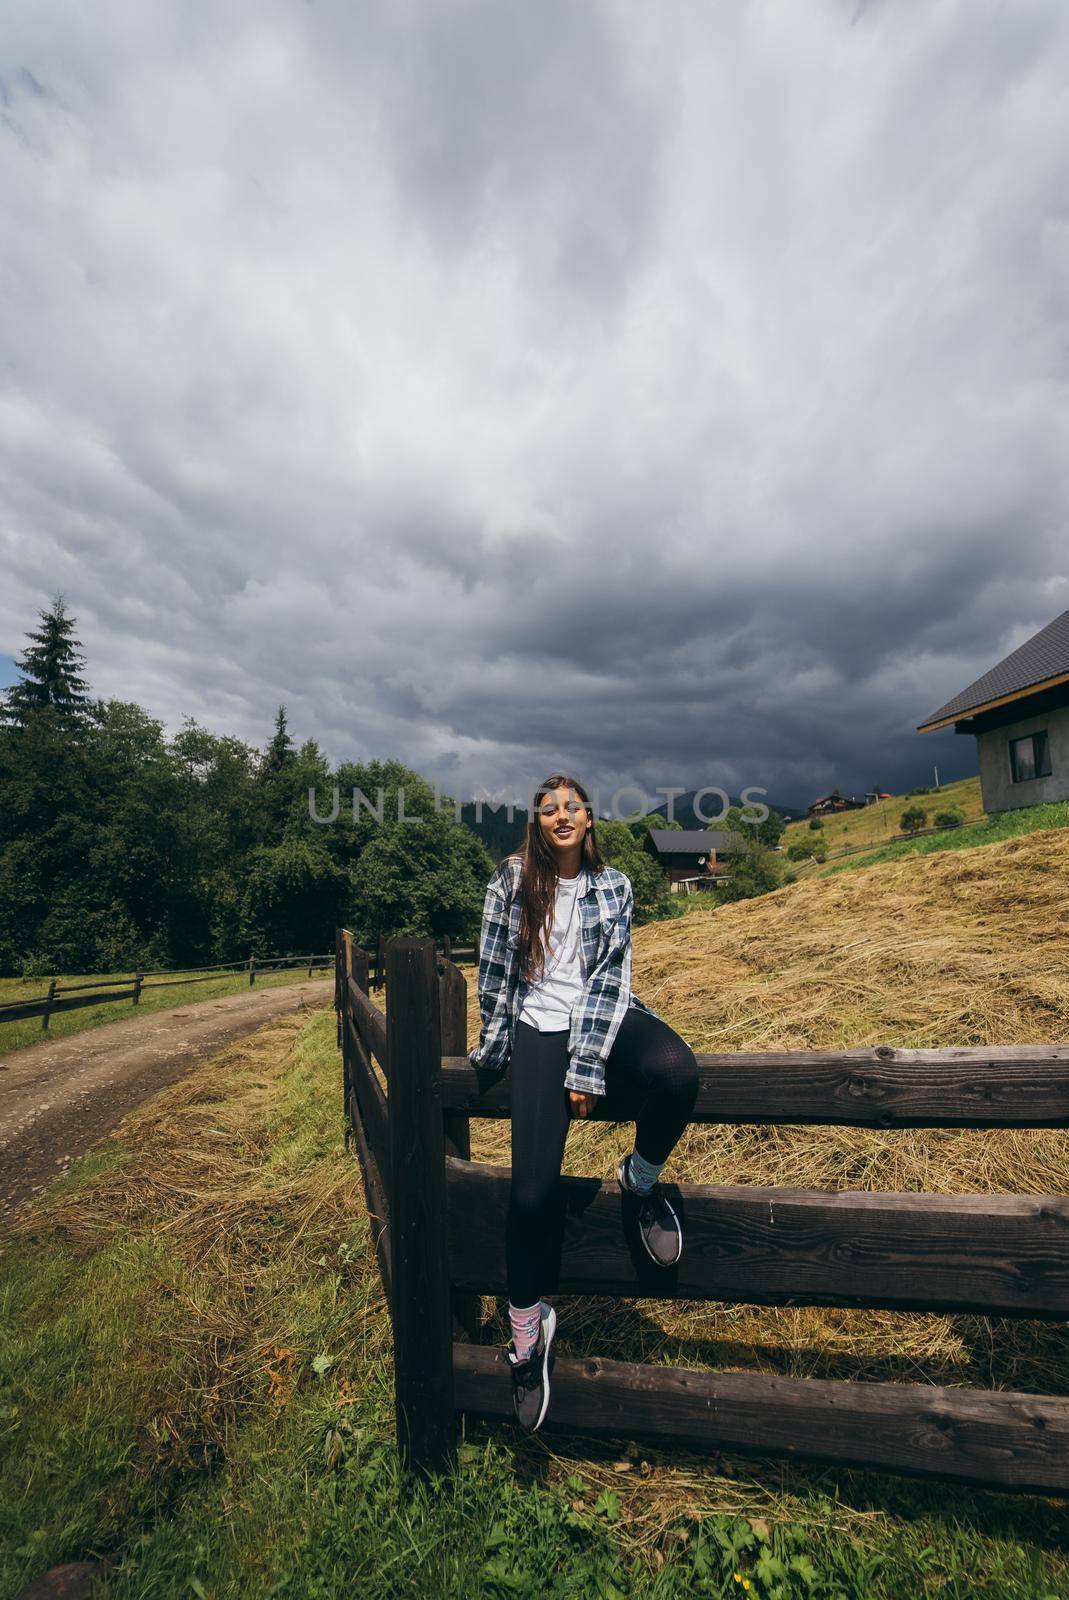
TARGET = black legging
(648,1061)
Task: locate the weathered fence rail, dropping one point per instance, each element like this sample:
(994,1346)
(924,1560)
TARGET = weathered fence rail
(438,1223)
(445,946)
(96,991)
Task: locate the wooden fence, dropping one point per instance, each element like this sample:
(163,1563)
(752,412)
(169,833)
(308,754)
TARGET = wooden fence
(469,952)
(438,1225)
(98,991)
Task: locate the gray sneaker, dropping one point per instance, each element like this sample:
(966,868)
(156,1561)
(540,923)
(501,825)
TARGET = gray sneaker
(658,1224)
(530,1377)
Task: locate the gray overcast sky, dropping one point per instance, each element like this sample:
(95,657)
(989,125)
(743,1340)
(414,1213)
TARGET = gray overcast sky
(676,393)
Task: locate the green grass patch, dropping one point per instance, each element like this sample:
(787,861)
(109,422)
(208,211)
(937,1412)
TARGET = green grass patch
(999,825)
(15,1035)
(195,1382)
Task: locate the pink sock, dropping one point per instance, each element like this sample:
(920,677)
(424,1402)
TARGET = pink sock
(525,1322)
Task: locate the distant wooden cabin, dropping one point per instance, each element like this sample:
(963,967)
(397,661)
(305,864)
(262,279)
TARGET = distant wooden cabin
(833,802)
(694,858)
(1019,713)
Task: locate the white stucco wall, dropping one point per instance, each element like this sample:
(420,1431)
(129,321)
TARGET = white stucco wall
(999,791)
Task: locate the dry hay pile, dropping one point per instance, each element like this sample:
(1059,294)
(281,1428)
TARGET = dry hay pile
(958,947)
(965,947)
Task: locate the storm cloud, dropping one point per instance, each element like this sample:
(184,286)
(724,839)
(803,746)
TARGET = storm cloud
(675,394)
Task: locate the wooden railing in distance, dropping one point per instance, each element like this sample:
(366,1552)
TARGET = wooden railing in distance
(109,991)
(1005,1255)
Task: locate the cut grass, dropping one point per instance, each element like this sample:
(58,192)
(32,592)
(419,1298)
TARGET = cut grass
(195,1374)
(16,1035)
(212,1411)
(957,947)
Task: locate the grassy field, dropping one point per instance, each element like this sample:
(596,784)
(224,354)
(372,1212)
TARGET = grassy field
(195,1355)
(876,824)
(13,1035)
(858,829)
(989,830)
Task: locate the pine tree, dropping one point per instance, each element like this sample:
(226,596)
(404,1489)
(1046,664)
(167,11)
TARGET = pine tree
(51,671)
(280,752)
(279,777)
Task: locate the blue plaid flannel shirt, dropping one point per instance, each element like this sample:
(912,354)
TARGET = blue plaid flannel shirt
(606,902)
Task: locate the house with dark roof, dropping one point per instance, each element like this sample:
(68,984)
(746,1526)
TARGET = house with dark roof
(693,858)
(833,802)
(1019,712)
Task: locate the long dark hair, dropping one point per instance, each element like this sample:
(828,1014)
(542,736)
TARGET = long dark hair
(538,880)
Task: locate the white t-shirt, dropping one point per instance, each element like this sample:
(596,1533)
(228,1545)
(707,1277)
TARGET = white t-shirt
(548,1004)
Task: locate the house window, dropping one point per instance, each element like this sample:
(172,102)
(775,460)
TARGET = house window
(1030,757)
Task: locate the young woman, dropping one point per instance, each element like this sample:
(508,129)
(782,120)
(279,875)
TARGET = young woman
(557,1009)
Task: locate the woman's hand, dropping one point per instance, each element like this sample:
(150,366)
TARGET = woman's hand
(582,1104)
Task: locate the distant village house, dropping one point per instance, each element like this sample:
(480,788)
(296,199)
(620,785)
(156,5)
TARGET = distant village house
(833,802)
(693,858)
(1019,712)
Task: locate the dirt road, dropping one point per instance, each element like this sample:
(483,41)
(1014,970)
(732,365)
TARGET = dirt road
(59,1098)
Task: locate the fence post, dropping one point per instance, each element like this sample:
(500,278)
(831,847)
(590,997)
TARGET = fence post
(380,961)
(138,977)
(358,967)
(47,1012)
(453,1012)
(419,1253)
(341,1006)
(337,983)
(252,971)
(309,966)
(354,965)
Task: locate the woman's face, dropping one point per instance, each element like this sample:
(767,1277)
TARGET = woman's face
(564,820)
